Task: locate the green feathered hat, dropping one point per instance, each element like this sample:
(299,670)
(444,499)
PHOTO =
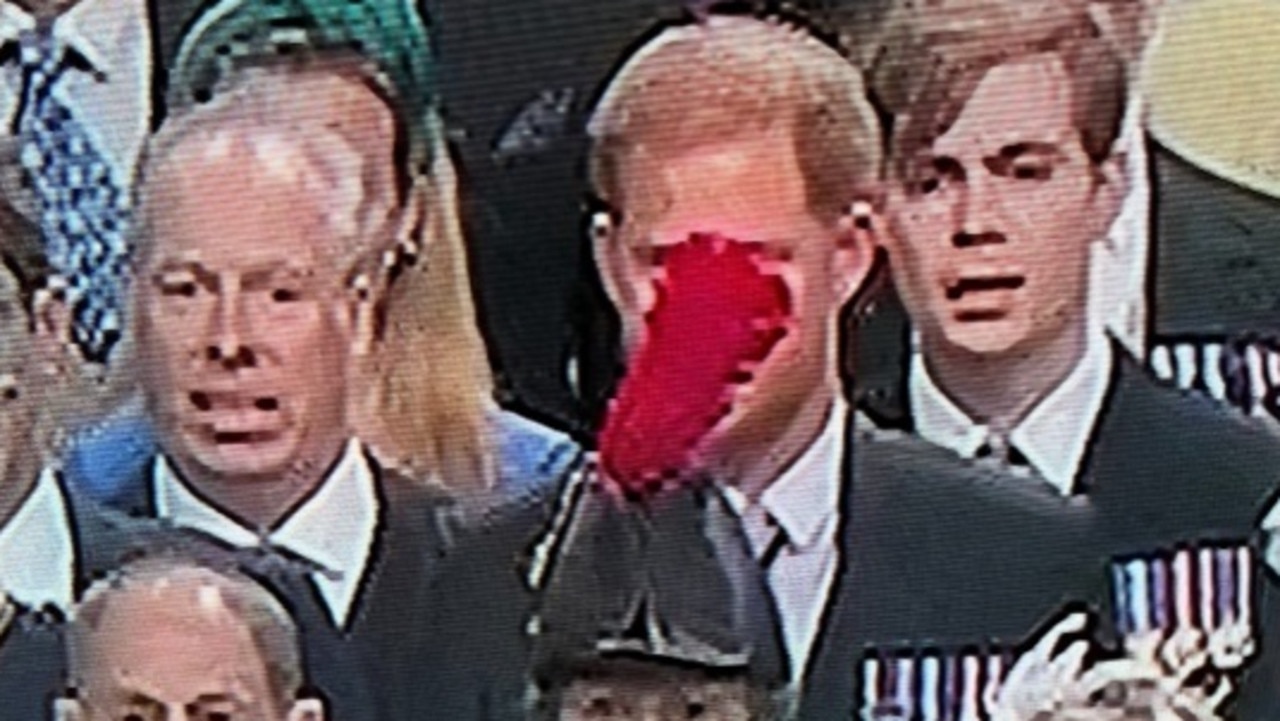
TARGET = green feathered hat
(392,34)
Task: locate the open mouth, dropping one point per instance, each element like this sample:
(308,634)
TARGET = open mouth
(231,438)
(236,418)
(965,286)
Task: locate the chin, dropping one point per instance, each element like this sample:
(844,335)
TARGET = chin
(986,338)
(248,460)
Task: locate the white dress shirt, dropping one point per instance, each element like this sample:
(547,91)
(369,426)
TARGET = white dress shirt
(334,528)
(1053,437)
(1118,272)
(113,101)
(805,502)
(37,550)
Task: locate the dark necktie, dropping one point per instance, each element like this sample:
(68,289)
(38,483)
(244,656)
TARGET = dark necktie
(1006,453)
(334,666)
(776,545)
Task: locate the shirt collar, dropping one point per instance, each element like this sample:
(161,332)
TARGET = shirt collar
(83,28)
(334,528)
(806,497)
(1053,437)
(37,552)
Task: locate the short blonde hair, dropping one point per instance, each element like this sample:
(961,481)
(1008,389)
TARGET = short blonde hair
(730,77)
(212,590)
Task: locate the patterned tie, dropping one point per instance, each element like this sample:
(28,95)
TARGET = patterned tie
(83,214)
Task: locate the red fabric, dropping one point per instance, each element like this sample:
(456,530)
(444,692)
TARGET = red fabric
(715,312)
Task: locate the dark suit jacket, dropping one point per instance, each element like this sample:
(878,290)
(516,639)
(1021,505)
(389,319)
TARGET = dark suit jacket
(31,652)
(947,559)
(371,670)
(481,603)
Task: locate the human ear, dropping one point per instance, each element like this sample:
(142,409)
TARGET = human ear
(306,709)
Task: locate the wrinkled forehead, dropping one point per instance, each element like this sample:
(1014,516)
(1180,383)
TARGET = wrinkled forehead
(292,179)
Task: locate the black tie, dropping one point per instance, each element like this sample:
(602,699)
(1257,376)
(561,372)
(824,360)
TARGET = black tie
(332,664)
(776,544)
(1012,456)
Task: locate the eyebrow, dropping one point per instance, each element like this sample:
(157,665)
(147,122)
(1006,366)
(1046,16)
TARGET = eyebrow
(212,698)
(1017,150)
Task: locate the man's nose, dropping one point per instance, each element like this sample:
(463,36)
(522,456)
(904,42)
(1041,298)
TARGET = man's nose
(229,342)
(967,239)
(979,215)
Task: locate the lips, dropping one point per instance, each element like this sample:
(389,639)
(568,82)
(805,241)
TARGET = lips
(717,316)
(235,416)
(961,287)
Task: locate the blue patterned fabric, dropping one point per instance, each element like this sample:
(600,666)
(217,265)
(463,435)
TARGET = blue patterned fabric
(106,463)
(83,213)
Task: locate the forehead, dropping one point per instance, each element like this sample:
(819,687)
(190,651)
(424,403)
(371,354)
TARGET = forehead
(157,646)
(750,188)
(1027,99)
(244,208)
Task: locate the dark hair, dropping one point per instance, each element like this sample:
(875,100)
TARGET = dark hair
(762,704)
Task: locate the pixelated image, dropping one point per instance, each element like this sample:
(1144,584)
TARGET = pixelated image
(644,360)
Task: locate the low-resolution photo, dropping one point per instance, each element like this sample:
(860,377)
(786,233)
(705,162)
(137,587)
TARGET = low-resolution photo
(639,360)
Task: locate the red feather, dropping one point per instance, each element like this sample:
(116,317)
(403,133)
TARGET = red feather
(716,312)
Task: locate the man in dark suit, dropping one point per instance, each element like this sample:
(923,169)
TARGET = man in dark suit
(53,540)
(249,353)
(1003,180)
(782,159)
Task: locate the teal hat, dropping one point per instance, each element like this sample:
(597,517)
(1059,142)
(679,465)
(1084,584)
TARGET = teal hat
(391,34)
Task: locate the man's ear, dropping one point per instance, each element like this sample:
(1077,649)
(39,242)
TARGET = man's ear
(363,316)
(68,709)
(611,261)
(306,709)
(1110,188)
(52,320)
(419,221)
(861,230)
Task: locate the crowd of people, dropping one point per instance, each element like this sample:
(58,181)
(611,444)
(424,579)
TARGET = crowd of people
(254,466)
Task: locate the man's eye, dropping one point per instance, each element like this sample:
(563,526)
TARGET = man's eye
(927,185)
(182,289)
(285,295)
(1032,172)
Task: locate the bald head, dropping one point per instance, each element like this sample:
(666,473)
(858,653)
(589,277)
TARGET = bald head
(165,635)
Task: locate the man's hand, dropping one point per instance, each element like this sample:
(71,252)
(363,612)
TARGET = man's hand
(1169,676)
(1040,677)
